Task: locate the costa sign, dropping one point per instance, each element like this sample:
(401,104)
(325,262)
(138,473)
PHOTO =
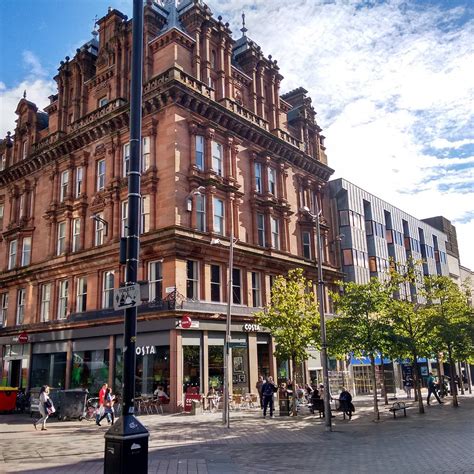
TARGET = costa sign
(145,350)
(251,327)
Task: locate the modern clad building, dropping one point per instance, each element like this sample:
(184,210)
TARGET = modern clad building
(222,149)
(370,234)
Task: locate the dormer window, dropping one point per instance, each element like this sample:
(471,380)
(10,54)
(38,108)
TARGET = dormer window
(3,162)
(103,101)
(24,149)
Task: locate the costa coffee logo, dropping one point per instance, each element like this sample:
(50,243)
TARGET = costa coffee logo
(145,350)
(251,327)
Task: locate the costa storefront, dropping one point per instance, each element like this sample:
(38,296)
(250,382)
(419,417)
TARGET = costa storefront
(167,356)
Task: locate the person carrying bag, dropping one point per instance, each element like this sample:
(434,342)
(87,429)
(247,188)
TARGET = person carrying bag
(46,407)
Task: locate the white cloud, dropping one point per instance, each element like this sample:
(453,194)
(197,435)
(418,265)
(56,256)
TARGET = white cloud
(38,87)
(389,80)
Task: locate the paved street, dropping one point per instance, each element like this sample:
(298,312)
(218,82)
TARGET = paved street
(439,441)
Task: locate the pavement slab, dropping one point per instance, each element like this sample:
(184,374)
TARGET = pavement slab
(439,441)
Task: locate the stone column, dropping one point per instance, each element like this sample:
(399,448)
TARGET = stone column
(67,383)
(111,379)
(176,371)
(205,362)
(197,54)
(253,362)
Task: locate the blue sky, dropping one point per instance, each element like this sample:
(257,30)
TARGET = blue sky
(391,81)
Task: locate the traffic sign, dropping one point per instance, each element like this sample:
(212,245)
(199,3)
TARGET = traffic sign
(127,296)
(186,322)
(23,338)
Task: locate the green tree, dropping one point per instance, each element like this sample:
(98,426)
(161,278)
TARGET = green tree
(292,318)
(361,325)
(451,321)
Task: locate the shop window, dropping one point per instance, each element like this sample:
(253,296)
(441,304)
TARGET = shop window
(306,240)
(256,289)
(155,279)
(124,219)
(145,214)
(236,286)
(3,309)
(100,185)
(275,233)
(201,213)
(199,158)
(217,158)
(153,371)
(108,289)
(12,250)
(48,369)
(61,242)
(45,306)
(218,205)
(81,295)
(192,280)
(26,252)
(76,234)
(192,368)
(258,178)
(263,357)
(64,185)
(215,283)
(261,230)
(240,380)
(79,179)
(216,366)
(272,180)
(63,299)
(20,306)
(90,370)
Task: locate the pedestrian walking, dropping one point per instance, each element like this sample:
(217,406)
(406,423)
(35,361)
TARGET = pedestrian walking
(100,412)
(108,407)
(46,408)
(259,386)
(268,389)
(432,389)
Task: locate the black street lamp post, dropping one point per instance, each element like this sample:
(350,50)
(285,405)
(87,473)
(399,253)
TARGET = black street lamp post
(126,443)
(324,355)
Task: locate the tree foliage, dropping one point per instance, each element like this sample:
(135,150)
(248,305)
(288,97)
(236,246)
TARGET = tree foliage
(292,317)
(361,326)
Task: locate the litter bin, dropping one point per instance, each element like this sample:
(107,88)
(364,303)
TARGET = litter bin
(72,403)
(8,399)
(283,403)
(196,407)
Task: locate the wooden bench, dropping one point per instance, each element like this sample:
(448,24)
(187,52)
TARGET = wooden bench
(398,406)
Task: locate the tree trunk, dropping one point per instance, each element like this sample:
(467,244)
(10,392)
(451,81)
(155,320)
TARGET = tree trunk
(452,371)
(468,375)
(294,409)
(384,387)
(416,380)
(374,388)
(460,378)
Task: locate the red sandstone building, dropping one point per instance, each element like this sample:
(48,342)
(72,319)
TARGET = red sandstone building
(221,147)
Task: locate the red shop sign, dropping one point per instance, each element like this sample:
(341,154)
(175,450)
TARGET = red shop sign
(23,338)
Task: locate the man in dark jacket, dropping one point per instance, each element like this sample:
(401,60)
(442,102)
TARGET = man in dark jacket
(268,389)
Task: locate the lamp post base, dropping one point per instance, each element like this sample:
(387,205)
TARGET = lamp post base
(126,447)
